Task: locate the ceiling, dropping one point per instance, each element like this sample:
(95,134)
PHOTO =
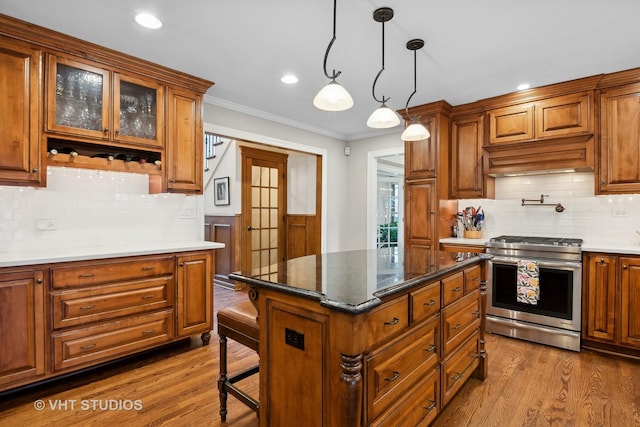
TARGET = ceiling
(473,49)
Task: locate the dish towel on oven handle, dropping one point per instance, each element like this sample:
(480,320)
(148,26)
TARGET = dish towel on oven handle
(528,282)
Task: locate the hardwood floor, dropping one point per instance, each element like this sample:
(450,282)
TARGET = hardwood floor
(528,385)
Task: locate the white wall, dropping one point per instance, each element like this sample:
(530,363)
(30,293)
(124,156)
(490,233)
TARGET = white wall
(89,208)
(598,219)
(358,233)
(242,126)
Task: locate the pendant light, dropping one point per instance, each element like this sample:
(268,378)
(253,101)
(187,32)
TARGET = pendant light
(383,116)
(415,131)
(332,97)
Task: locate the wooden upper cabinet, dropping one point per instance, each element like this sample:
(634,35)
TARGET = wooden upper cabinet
(619,162)
(421,214)
(466,157)
(511,124)
(421,157)
(87,100)
(184,141)
(20,69)
(556,117)
(563,116)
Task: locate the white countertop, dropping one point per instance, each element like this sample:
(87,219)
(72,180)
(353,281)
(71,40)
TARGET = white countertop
(587,246)
(11,259)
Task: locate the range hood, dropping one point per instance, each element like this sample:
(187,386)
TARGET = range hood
(541,157)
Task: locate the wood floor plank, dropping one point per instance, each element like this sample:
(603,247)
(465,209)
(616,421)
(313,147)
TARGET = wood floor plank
(528,385)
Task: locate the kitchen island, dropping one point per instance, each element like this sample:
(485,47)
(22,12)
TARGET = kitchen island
(350,338)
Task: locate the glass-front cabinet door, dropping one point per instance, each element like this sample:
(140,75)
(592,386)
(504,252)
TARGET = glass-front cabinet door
(81,101)
(78,98)
(137,111)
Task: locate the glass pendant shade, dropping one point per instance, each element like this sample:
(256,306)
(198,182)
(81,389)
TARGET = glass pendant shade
(415,132)
(333,97)
(383,117)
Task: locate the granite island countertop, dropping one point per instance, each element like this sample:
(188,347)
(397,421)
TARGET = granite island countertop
(352,281)
(48,256)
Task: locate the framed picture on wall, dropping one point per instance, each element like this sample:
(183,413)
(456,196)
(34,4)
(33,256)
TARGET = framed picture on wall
(221,193)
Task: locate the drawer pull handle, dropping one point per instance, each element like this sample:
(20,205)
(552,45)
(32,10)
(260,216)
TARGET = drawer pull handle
(432,348)
(87,347)
(83,276)
(456,289)
(149,332)
(87,307)
(431,406)
(395,321)
(457,376)
(395,376)
(147,268)
(431,302)
(148,296)
(457,326)
(475,279)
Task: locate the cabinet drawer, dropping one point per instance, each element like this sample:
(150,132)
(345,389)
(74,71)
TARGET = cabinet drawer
(389,319)
(472,279)
(88,346)
(76,307)
(425,302)
(460,320)
(391,370)
(96,272)
(452,288)
(511,124)
(418,409)
(459,367)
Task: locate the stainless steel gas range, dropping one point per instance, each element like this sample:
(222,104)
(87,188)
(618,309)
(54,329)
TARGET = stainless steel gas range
(535,288)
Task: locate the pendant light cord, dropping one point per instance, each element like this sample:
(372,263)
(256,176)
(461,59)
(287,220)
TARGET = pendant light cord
(382,15)
(415,81)
(326,55)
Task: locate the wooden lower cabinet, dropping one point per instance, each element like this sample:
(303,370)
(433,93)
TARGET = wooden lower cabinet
(99,310)
(611,303)
(22,358)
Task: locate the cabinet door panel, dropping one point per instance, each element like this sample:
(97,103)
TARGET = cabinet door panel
(78,102)
(466,158)
(563,116)
(184,141)
(138,109)
(511,124)
(19,109)
(600,310)
(620,141)
(195,294)
(21,326)
(630,301)
(421,156)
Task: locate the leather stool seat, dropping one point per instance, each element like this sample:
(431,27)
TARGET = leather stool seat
(239,323)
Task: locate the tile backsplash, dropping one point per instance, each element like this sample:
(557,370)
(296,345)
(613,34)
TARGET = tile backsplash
(598,219)
(89,208)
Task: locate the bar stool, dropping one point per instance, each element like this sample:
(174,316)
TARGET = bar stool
(239,323)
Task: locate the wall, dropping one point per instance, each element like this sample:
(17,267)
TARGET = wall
(237,125)
(91,208)
(598,219)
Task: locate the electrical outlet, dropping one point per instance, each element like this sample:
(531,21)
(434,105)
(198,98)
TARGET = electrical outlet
(46,224)
(619,213)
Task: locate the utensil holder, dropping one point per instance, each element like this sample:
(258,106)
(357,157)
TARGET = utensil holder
(473,234)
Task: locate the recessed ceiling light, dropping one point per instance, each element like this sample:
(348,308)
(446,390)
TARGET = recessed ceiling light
(148,21)
(289,79)
(523,86)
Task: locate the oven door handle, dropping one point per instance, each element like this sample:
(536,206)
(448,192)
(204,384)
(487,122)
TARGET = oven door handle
(564,265)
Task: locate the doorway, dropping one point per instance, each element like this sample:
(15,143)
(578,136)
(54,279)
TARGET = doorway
(264,198)
(385,217)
